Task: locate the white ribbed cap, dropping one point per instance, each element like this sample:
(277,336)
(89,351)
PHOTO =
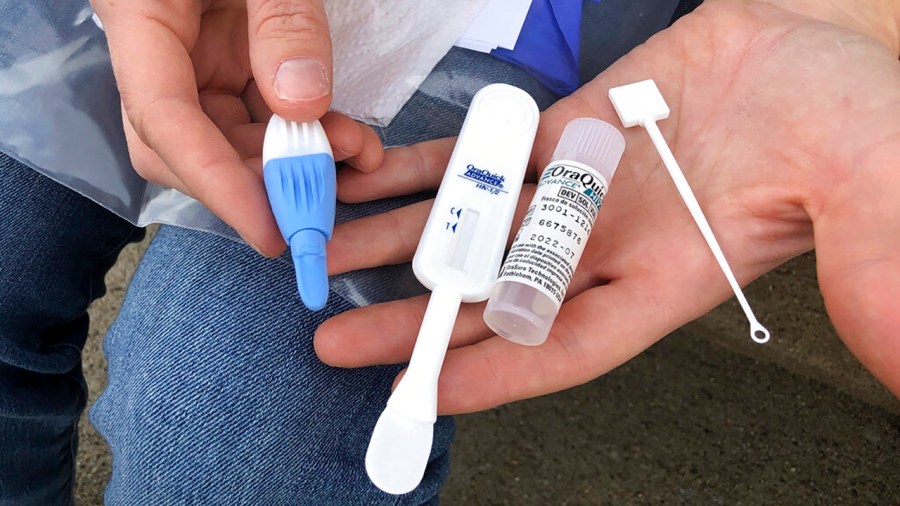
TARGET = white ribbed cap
(287,139)
(592,142)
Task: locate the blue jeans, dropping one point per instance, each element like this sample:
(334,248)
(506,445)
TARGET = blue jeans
(55,247)
(215,394)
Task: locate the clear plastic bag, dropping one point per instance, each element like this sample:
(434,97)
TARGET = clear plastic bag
(60,114)
(60,107)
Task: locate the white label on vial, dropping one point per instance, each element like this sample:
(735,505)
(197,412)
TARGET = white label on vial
(556,228)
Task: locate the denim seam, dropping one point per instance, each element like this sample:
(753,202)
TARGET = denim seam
(73,455)
(92,271)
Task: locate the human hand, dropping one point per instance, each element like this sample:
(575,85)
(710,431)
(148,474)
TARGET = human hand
(785,123)
(198,82)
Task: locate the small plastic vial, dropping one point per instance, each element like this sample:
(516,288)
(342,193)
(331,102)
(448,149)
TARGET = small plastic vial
(545,253)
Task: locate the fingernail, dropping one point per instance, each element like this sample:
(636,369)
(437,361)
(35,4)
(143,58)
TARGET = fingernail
(300,79)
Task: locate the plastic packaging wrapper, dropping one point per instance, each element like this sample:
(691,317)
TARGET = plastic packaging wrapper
(60,113)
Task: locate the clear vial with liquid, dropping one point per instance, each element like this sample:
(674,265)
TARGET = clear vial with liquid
(540,264)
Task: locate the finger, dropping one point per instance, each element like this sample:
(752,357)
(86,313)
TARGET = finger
(347,341)
(230,115)
(353,142)
(371,155)
(255,164)
(596,330)
(226,111)
(857,245)
(290,54)
(387,238)
(160,96)
(247,139)
(256,106)
(146,162)
(420,167)
(391,237)
(594,333)
(404,171)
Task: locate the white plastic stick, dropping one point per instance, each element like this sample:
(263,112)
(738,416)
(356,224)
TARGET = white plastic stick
(401,441)
(642,104)
(416,395)
(757,332)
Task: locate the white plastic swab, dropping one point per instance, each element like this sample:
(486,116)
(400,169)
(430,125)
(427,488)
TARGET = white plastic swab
(642,104)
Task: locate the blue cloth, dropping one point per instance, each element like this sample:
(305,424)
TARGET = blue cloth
(549,44)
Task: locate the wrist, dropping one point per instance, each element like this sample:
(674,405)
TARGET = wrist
(879,19)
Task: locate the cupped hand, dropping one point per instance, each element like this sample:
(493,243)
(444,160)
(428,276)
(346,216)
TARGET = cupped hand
(198,81)
(786,125)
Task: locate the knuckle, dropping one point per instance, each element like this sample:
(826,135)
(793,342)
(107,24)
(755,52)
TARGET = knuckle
(146,117)
(143,167)
(282,19)
(396,225)
(105,7)
(99,6)
(144,162)
(420,167)
(137,116)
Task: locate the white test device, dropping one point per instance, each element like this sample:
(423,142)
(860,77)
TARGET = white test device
(458,259)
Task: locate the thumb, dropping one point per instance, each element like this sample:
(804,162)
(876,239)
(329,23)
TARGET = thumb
(290,54)
(857,245)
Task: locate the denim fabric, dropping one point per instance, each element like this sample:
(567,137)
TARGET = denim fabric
(55,247)
(215,394)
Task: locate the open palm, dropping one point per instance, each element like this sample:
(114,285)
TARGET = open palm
(787,128)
